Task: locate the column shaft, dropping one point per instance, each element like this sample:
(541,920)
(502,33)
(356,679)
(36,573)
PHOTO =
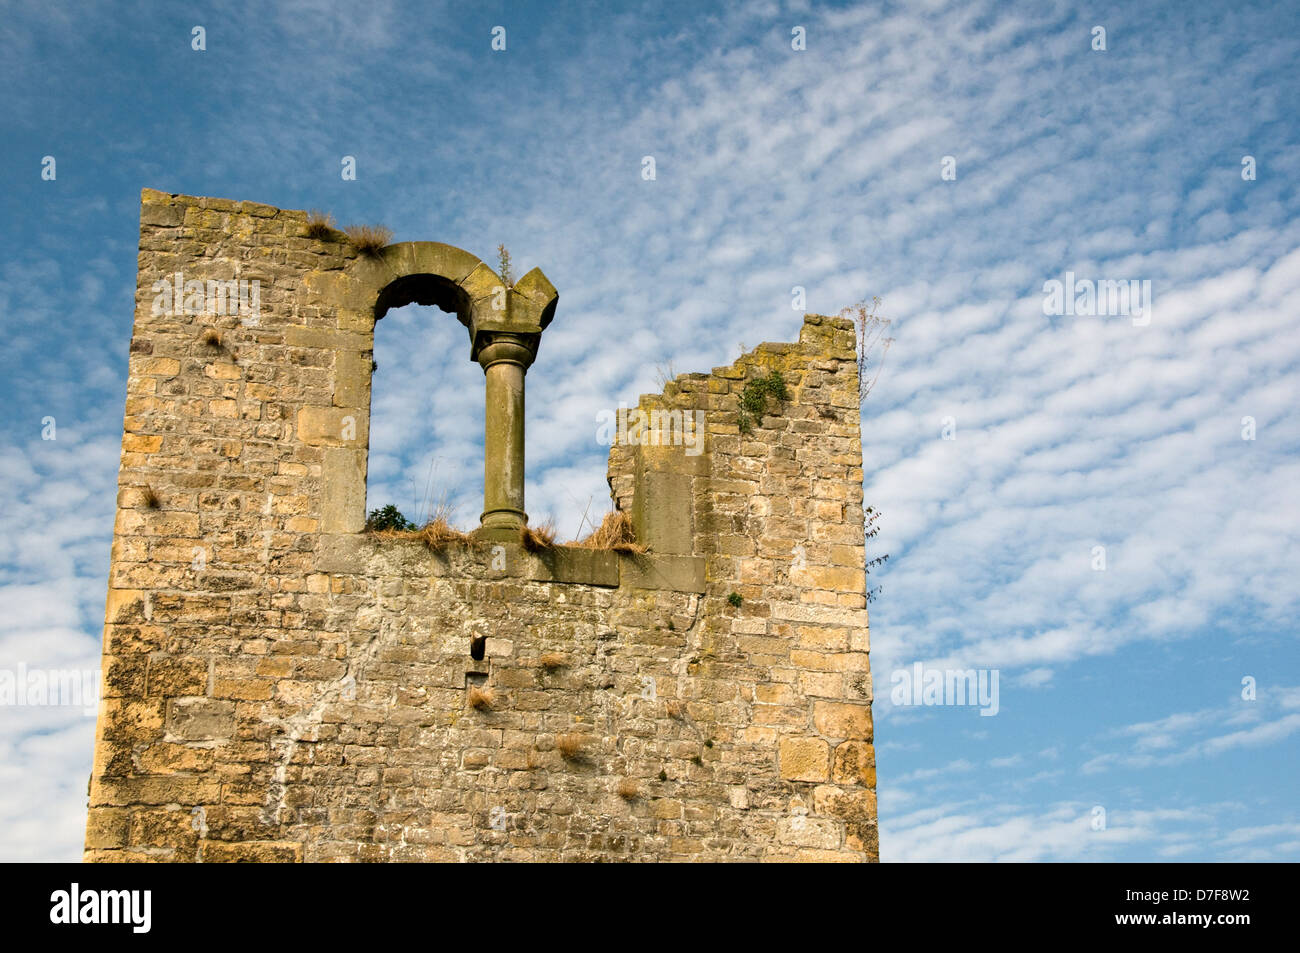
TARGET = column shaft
(504,365)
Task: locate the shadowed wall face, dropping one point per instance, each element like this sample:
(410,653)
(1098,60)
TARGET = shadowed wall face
(281,685)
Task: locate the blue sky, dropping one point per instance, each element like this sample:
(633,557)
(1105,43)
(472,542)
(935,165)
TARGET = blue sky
(1120,688)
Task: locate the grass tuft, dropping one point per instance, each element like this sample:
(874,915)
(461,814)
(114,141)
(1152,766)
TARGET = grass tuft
(321,225)
(437,534)
(537,539)
(614,533)
(628,789)
(369,240)
(480,699)
(151,499)
(571,746)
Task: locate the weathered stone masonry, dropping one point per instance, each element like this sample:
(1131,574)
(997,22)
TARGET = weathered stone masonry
(279,685)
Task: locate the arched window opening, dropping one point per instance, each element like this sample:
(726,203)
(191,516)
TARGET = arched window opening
(426,411)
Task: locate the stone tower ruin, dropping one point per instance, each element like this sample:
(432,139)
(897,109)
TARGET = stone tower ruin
(281,685)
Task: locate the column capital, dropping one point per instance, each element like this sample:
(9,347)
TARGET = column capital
(497,347)
(523,310)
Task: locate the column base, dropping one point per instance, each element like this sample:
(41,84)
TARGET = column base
(503,525)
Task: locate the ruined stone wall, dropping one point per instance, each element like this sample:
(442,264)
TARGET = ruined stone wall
(279,685)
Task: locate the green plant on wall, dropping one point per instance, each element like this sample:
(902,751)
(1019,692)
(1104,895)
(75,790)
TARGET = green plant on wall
(753,399)
(503,266)
(389,517)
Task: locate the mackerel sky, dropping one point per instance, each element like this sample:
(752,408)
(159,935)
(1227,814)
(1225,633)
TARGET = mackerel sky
(1100,508)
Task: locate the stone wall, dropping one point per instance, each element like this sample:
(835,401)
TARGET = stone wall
(280,685)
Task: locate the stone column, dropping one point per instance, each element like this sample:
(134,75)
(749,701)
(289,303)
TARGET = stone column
(505,360)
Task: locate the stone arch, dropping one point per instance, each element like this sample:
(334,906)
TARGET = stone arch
(428,273)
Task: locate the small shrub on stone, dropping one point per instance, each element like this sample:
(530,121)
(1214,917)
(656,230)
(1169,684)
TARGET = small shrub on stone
(753,399)
(388,518)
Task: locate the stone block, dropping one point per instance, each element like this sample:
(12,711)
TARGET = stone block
(804,759)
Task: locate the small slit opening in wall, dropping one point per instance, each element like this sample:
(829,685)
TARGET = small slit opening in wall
(475,679)
(478,647)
